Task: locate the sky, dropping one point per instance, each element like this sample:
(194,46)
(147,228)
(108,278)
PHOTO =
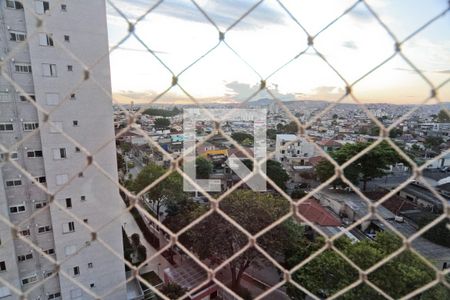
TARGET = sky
(266,39)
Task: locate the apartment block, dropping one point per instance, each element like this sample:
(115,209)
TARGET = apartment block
(40,61)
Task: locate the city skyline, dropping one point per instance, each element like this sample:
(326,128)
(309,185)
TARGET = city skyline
(353,45)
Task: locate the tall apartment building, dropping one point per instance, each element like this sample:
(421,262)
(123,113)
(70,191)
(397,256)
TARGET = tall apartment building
(31,56)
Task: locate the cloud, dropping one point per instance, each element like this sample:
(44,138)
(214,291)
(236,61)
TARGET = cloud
(323,93)
(222,12)
(350,45)
(238,91)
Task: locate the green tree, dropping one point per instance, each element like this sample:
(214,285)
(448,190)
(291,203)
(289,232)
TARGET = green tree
(172,290)
(439,233)
(433,142)
(162,123)
(274,171)
(240,137)
(329,272)
(204,167)
(271,134)
(443,116)
(170,189)
(215,239)
(371,165)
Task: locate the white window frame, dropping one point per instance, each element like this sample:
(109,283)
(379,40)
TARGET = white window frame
(16,182)
(12,156)
(19,36)
(40,7)
(5,96)
(49,70)
(17,209)
(34,153)
(30,279)
(46,228)
(46,39)
(30,126)
(4,125)
(59,153)
(69,227)
(13,4)
(22,68)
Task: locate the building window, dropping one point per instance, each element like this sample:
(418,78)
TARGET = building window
(25,232)
(92,285)
(25,257)
(54,296)
(90,265)
(77,149)
(62,179)
(69,68)
(15,209)
(49,70)
(66,38)
(68,202)
(86,221)
(34,153)
(69,227)
(2,266)
(29,279)
(64,7)
(49,251)
(30,126)
(52,99)
(76,271)
(44,229)
(22,68)
(42,7)
(17,36)
(11,155)
(40,205)
(24,98)
(5,96)
(75,123)
(83,198)
(59,153)
(73,97)
(14,4)
(13,182)
(46,39)
(6,127)
(40,179)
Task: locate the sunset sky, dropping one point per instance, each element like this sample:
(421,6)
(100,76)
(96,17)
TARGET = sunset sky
(267,38)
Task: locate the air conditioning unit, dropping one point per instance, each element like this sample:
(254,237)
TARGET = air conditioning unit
(13,60)
(8,27)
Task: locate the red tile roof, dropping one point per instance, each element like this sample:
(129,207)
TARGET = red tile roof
(312,211)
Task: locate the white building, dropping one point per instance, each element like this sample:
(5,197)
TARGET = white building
(32,57)
(289,147)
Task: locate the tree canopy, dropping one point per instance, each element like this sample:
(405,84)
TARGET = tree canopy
(162,123)
(371,165)
(328,273)
(215,239)
(274,171)
(162,112)
(443,117)
(169,189)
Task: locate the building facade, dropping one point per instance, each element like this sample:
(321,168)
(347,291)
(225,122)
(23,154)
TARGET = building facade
(40,62)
